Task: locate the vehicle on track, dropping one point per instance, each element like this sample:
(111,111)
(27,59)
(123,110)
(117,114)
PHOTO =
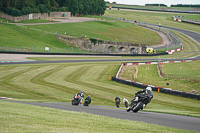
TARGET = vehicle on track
(76,100)
(135,106)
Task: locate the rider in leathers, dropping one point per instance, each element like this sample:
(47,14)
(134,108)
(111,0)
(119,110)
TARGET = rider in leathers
(81,95)
(117,100)
(147,91)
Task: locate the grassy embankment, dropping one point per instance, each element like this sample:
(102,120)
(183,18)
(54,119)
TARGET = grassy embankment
(145,74)
(59,82)
(27,118)
(154,18)
(150,7)
(105,30)
(39,36)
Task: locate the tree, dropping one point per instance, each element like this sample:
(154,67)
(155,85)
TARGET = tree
(42,8)
(76,7)
(73,7)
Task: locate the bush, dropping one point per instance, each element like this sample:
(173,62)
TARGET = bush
(1,6)
(63,9)
(26,10)
(35,10)
(42,8)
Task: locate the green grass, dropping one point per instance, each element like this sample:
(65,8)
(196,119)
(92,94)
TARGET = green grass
(192,17)
(146,72)
(59,83)
(20,38)
(17,117)
(37,21)
(105,30)
(154,18)
(150,7)
(187,68)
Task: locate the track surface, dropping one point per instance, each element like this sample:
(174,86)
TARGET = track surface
(101,60)
(169,120)
(194,35)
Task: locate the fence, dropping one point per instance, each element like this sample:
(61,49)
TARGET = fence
(158,89)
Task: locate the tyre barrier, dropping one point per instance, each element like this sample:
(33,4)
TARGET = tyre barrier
(6,98)
(157,89)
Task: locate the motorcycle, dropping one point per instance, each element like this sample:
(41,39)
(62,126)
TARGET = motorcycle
(126,104)
(117,102)
(86,103)
(135,106)
(76,100)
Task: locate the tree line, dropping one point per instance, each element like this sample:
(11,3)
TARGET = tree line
(186,5)
(76,7)
(155,5)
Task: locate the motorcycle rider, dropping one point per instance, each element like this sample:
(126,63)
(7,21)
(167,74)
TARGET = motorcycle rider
(81,95)
(125,102)
(117,101)
(89,99)
(147,91)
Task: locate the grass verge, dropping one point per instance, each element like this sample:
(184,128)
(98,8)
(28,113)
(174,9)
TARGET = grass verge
(60,82)
(17,117)
(165,19)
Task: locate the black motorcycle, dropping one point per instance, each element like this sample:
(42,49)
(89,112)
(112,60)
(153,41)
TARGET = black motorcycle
(76,100)
(86,103)
(135,106)
(117,102)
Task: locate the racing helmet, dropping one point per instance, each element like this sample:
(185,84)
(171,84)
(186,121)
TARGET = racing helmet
(149,88)
(81,91)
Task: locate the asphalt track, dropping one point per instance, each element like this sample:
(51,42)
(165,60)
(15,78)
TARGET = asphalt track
(194,35)
(168,120)
(100,60)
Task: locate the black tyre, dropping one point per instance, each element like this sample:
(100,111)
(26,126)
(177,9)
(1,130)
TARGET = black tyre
(128,109)
(138,107)
(85,104)
(75,102)
(126,105)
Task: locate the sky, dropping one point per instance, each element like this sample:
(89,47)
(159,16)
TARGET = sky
(166,2)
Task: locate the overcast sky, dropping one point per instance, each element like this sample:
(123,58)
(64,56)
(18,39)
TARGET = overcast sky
(166,2)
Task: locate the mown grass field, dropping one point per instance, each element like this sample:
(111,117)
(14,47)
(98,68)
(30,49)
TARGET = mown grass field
(104,30)
(60,82)
(28,118)
(165,19)
(146,72)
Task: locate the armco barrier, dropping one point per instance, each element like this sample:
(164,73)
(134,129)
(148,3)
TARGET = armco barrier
(158,89)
